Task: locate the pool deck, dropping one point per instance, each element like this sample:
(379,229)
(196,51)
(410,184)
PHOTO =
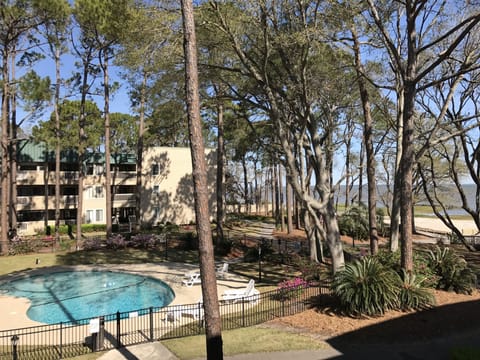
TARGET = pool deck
(13,310)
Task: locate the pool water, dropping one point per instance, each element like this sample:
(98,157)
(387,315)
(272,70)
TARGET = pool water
(76,295)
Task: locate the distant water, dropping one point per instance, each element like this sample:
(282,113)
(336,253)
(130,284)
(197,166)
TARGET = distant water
(449,194)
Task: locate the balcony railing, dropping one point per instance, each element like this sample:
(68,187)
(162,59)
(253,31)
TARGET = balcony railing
(124,197)
(38,201)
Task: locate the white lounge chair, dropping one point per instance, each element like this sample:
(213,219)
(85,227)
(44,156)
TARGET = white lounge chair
(222,271)
(195,311)
(191,279)
(249,293)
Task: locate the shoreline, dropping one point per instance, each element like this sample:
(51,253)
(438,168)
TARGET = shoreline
(467,227)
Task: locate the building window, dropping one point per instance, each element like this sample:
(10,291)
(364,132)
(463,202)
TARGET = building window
(99,215)
(89,216)
(156,189)
(156,213)
(93,216)
(155,169)
(95,192)
(94,169)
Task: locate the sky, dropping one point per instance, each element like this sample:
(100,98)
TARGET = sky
(119,101)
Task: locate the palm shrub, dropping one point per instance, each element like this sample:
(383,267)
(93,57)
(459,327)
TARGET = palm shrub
(452,270)
(412,295)
(366,287)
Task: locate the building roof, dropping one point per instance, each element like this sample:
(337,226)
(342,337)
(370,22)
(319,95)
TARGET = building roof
(31,152)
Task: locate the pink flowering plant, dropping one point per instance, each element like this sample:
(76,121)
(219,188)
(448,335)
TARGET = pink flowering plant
(290,288)
(144,241)
(116,241)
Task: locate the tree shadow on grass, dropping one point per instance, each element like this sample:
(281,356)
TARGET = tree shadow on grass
(126,256)
(428,334)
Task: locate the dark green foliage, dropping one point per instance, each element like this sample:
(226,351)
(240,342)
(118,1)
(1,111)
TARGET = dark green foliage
(168,228)
(389,259)
(366,287)
(412,294)
(309,269)
(94,228)
(223,247)
(191,240)
(452,270)
(250,255)
(465,353)
(422,269)
(380,222)
(354,222)
(420,266)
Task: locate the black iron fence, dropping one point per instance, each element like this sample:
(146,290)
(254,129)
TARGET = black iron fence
(64,340)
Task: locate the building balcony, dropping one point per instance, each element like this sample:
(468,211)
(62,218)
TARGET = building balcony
(38,202)
(122,200)
(38,177)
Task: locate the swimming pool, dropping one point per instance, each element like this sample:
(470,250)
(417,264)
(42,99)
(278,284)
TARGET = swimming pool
(75,295)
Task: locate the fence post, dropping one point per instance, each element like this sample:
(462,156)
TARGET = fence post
(61,339)
(119,343)
(151,323)
(201,316)
(243,313)
(166,247)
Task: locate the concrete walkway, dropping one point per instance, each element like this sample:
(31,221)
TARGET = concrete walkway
(155,351)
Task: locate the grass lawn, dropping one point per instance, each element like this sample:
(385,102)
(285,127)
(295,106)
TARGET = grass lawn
(10,264)
(246,340)
(254,339)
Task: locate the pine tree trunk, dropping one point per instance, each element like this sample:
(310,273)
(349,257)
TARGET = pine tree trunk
(4,151)
(220,173)
(246,197)
(108,172)
(139,174)
(199,168)
(280,186)
(289,208)
(57,146)
(395,215)
(406,175)
(81,152)
(12,215)
(277,195)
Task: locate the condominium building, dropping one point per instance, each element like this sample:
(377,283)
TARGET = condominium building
(166,196)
